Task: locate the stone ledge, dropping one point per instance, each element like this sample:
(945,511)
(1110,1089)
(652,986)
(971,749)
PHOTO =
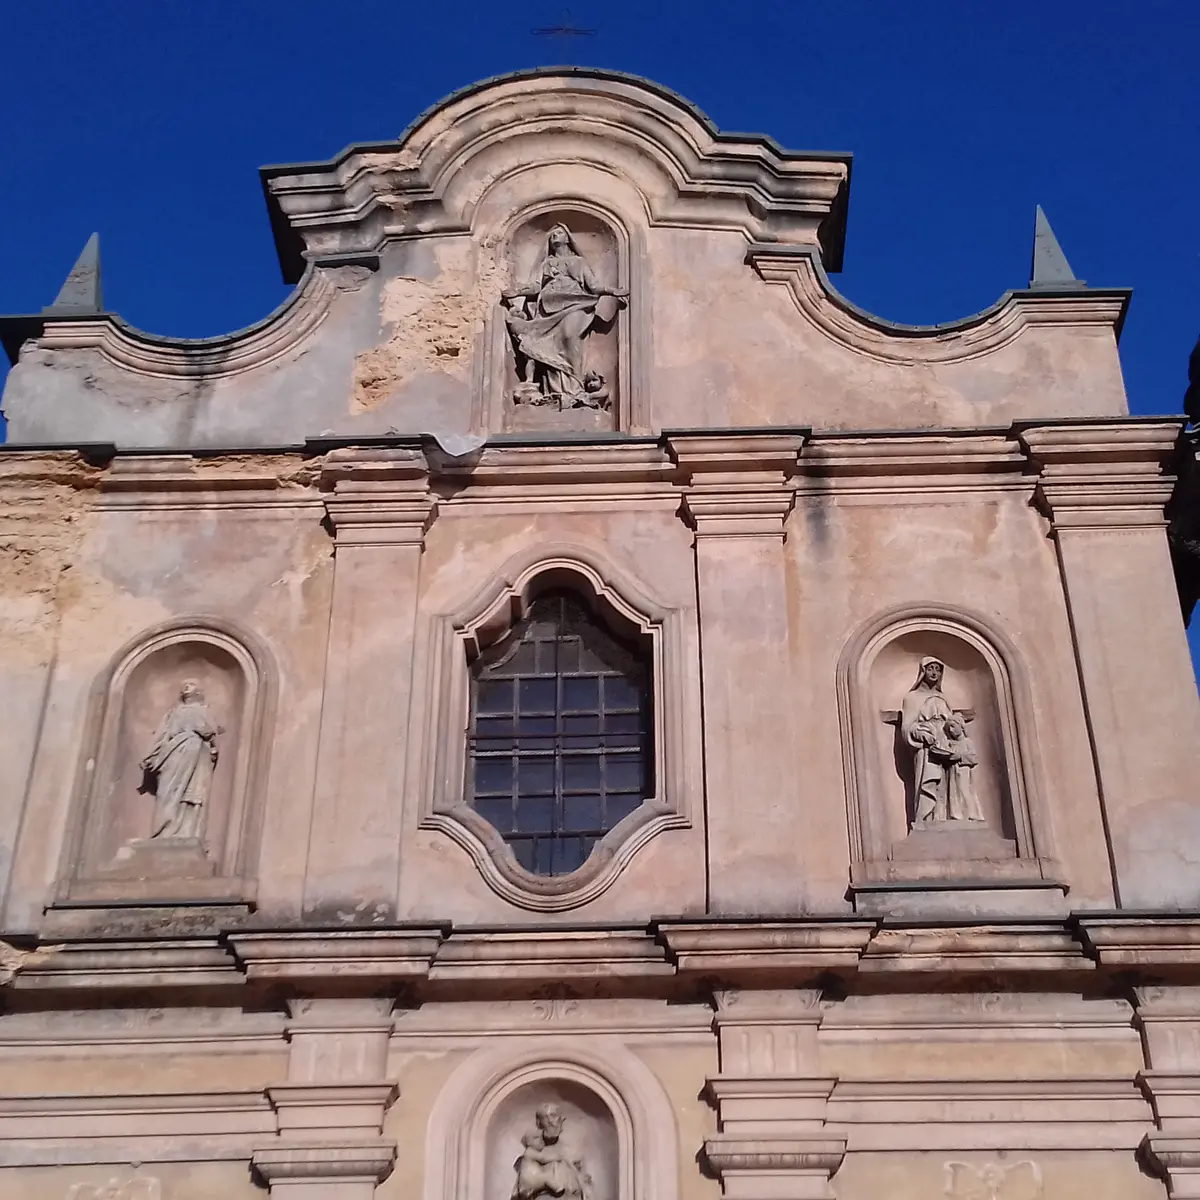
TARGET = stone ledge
(733,949)
(341,1160)
(1141,940)
(337,954)
(977,948)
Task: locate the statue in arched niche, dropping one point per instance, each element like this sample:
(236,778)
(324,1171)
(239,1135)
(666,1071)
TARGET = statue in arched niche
(944,755)
(180,765)
(549,319)
(546,1169)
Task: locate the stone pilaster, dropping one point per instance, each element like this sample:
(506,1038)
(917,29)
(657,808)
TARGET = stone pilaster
(330,1110)
(772,1142)
(1169,1020)
(380,508)
(738,497)
(1104,488)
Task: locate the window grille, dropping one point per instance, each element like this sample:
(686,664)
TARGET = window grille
(559,747)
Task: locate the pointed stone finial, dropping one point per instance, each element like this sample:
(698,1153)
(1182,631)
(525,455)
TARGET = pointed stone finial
(80,293)
(1050,268)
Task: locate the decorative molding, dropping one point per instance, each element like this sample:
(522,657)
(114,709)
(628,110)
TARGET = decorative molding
(738,484)
(443,683)
(368,1162)
(1144,941)
(281,333)
(913,1115)
(1099,476)
(144,1115)
(1021,1180)
(584,957)
(686,172)
(753,949)
(136,1187)
(799,269)
(337,954)
(378,496)
(976,949)
(135,964)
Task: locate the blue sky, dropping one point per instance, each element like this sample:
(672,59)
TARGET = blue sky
(147,120)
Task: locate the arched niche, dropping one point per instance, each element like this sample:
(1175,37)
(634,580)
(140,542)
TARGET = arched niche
(901,832)
(114,852)
(589,1139)
(453,641)
(517,396)
(617,1120)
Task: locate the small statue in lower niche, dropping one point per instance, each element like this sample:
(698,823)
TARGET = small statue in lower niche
(180,764)
(546,1168)
(944,754)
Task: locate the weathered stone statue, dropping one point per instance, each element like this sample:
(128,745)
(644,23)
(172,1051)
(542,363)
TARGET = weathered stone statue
(944,754)
(180,765)
(549,319)
(545,1167)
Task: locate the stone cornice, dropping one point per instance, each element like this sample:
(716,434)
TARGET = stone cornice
(1096,476)
(347,209)
(341,1160)
(152,356)
(737,484)
(739,480)
(379,497)
(331,956)
(987,949)
(752,950)
(1156,942)
(799,269)
(1144,950)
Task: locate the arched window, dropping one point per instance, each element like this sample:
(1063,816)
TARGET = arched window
(560,739)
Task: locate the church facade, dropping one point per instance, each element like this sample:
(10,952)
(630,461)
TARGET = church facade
(570,707)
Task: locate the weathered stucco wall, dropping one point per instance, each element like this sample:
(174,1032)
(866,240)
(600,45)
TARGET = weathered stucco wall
(785,973)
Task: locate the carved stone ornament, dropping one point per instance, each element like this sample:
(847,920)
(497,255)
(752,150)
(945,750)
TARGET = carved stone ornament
(944,756)
(140,1187)
(994,1181)
(179,765)
(546,1170)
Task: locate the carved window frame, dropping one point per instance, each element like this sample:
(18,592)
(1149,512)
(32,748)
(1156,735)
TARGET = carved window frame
(865,792)
(235,878)
(633,412)
(454,637)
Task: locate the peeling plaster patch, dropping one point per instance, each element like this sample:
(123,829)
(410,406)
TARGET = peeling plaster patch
(435,324)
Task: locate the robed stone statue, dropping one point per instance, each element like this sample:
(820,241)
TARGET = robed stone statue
(944,755)
(546,1168)
(180,765)
(549,319)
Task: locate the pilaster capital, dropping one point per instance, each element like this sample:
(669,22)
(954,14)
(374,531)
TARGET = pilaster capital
(1175,1160)
(378,496)
(796,1165)
(348,1161)
(312,960)
(738,484)
(1098,476)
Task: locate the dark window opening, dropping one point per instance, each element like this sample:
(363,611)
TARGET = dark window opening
(559,748)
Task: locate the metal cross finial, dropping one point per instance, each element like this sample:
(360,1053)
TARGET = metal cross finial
(566,29)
